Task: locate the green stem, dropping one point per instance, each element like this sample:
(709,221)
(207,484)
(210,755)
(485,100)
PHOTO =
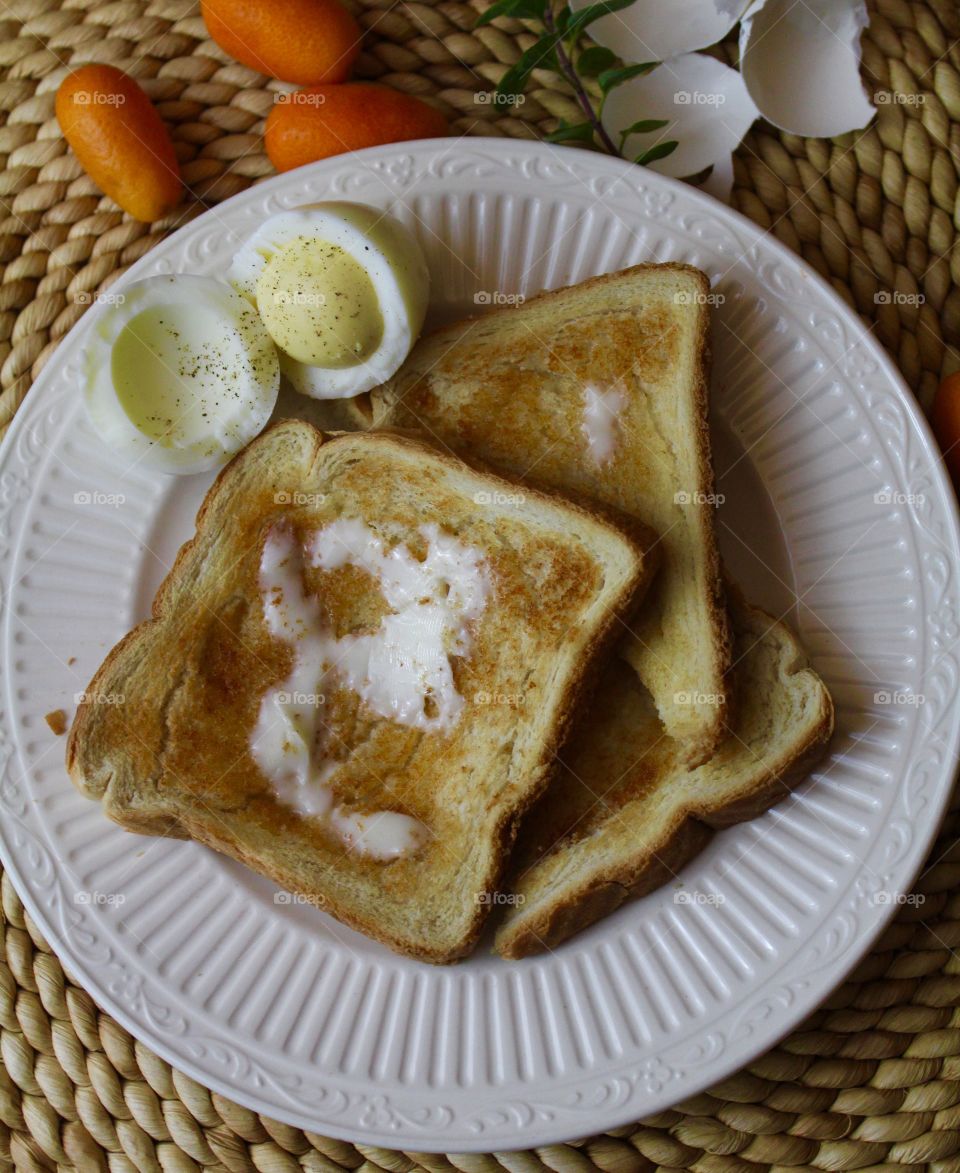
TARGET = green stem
(583,98)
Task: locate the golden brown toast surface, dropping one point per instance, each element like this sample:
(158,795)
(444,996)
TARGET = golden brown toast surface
(510,388)
(175,758)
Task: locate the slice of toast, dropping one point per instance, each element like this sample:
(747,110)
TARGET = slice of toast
(417,757)
(625,813)
(601,389)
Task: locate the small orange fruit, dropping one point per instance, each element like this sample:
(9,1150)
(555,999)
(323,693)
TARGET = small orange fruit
(120,140)
(945,418)
(301,41)
(322,121)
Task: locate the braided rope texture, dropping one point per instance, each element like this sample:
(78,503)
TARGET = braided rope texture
(872,1079)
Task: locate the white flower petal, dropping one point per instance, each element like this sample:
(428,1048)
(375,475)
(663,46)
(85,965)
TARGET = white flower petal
(653,30)
(706,102)
(801,64)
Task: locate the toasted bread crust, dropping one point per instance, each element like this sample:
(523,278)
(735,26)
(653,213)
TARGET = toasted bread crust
(98,757)
(595,892)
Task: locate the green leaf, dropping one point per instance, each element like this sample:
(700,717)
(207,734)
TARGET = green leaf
(580,132)
(562,18)
(660,151)
(518,9)
(645,126)
(540,55)
(594,60)
(610,78)
(586,16)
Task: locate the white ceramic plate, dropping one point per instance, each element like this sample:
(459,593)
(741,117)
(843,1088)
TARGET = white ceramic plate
(834,498)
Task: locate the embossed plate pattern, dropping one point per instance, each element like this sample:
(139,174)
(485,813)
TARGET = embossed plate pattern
(837,514)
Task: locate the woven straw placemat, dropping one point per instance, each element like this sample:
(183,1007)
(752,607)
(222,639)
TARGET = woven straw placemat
(872,1080)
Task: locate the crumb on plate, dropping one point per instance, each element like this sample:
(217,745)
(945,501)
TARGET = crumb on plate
(57,720)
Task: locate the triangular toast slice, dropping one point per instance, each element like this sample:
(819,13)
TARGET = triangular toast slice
(358,674)
(600,389)
(625,814)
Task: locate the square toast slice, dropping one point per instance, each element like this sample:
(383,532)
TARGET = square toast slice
(625,813)
(443,744)
(600,389)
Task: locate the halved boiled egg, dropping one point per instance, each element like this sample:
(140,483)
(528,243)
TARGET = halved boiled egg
(181,373)
(342,288)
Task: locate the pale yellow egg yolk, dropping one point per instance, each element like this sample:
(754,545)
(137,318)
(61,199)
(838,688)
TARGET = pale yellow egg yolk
(319,304)
(174,369)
